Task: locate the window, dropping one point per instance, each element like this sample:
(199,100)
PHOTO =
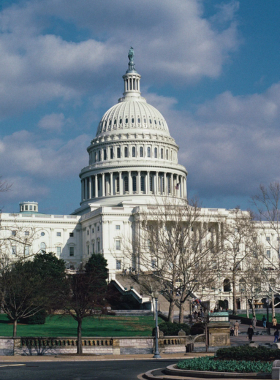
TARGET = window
(120,121)
(148,152)
(104,155)
(111,153)
(142,183)
(161,153)
(166,154)
(42,233)
(26,233)
(71,234)
(26,208)
(94,156)
(126,121)
(14,233)
(93,247)
(138,120)
(88,249)
(58,234)
(133,151)
(118,264)
(58,251)
(268,253)
(26,251)
(87,232)
(71,251)
(97,228)
(117,185)
(126,151)
(92,230)
(43,247)
(118,152)
(267,238)
(153,263)
(30,208)
(132,120)
(98,246)
(99,155)
(34,208)
(155,153)
(118,227)
(14,250)
(134,183)
(118,245)
(125,183)
(141,151)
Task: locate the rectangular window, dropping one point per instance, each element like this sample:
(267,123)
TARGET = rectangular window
(98,246)
(141,151)
(118,152)
(26,233)
(148,152)
(58,234)
(118,227)
(71,251)
(99,155)
(153,263)
(118,245)
(267,238)
(133,151)
(14,233)
(71,234)
(118,264)
(88,249)
(104,155)
(161,153)
(26,208)
(111,153)
(58,251)
(26,251)
(155,153)
(268,253)
(14,250)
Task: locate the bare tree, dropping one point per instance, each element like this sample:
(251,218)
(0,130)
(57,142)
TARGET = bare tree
(172,240)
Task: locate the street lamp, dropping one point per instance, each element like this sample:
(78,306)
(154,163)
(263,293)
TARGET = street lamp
(267,315)
(155,296)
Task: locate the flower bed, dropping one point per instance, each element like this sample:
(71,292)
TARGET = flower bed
(212,364)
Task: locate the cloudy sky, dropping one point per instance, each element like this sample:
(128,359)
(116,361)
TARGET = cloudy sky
(211,67)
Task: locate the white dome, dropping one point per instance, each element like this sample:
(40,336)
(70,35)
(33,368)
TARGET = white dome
(132,114)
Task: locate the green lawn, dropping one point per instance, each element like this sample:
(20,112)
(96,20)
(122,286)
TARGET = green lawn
(106,326)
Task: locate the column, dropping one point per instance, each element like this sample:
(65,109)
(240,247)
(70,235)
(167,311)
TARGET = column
(103,185)
(120,183)
(96,186)
(146,184)
(130,183)
(90,187)
(148,180)
(165,184)
(156,187)
(139,182)
(111,184)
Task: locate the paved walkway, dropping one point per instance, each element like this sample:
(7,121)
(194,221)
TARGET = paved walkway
(257,338)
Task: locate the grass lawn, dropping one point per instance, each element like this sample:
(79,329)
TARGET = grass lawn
(61,326)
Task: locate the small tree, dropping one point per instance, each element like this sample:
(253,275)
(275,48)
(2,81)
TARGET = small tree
(85,291)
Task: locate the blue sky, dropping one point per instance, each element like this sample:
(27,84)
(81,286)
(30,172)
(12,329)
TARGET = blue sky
(211,67)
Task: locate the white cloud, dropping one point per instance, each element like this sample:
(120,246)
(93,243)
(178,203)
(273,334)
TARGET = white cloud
(52,122)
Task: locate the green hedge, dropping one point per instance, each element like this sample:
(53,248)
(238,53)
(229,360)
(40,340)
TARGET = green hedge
(170,329)
(211,364)
(248,353)
(36,319)
(197,328)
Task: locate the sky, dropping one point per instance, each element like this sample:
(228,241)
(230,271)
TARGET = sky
(210,67)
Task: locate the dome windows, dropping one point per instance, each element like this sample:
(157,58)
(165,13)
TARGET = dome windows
(138,120)
(133,151)
(145,121)
(115,122)
(111,153)
(141,152)
(126,121)
(132,120)
(126,151)
(155,153)
(104,154)
(120,121)
(149,151)
(161,153)
(118,152)
(155,122)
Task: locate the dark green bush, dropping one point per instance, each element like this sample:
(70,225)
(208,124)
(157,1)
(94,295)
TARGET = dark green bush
(36,319)
(211,364)
(248,353)
(197,328)
(170,329)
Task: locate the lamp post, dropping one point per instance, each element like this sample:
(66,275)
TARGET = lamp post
(267,315)
(155,296)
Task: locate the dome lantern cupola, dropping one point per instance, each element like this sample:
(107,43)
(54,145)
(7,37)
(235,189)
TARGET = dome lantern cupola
(131,78)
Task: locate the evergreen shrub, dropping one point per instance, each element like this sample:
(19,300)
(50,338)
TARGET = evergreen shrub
(172,329)
(248,353)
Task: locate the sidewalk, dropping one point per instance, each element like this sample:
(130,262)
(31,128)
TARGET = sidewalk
(242,338)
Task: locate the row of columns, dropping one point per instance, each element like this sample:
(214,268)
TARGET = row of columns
(131,182)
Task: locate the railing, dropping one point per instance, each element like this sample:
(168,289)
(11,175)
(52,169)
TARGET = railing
(60,342)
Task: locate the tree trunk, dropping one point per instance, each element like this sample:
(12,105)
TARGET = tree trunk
(181,312)
(15,328)
(79,336)
(171,310)
(253,308)
(272,304)
(247,308)
(234,295)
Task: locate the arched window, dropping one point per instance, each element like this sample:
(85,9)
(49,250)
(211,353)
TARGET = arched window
(94,155)
(125,183)
(141,151)
(126,151)
(226,285)
(149,151)
(111,153)
(104,154)
(118,152)
(155,153)
(43,247)
(161,153)
(166,154)
(133,151)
